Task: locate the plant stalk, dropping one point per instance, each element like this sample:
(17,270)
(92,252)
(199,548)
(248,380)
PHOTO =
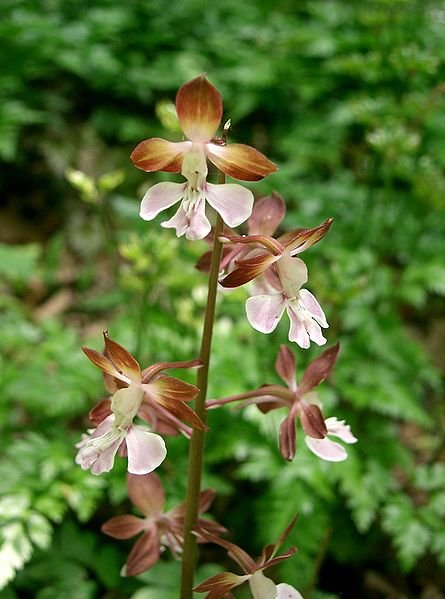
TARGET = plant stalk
(196,451)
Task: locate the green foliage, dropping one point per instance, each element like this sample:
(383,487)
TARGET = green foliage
(348,99)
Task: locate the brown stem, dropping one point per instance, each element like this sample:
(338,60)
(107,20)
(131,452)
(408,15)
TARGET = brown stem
(196,452)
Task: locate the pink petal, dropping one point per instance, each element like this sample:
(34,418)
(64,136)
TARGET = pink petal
(123,527)
(326,449)
(285,591)
(199,109)
(160,197)
(194,223)
(146,451)
(318,369)
(144,553)
(264,312)
(146,493)
(312,305)
(338,428)
(267,214)
(233,202)
(297,330)
(285,366)
(104,462)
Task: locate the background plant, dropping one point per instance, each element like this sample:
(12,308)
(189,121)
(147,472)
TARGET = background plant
(348,99)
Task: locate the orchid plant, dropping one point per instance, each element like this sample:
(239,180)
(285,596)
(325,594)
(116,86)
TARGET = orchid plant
(276,274)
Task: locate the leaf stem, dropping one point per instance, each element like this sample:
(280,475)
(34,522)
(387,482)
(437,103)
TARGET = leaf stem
(196,452)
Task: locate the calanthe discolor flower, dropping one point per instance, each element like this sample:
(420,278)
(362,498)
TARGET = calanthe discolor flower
(300,401)
(285,274)
(261,587)
(199,110)
(147,394)
(159,529)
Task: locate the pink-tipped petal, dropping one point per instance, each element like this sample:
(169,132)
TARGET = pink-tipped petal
(267,214)
(265,311)
(160,197)
(240,161)
(233,202)
(146,451)
(338,428)
(157,154)
(285,591)
(146,493)
(326,449)
(199,109)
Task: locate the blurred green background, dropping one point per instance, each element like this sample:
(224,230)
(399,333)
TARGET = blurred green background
(348,99)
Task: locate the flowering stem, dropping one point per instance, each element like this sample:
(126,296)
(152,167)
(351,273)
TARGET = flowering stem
(196,452)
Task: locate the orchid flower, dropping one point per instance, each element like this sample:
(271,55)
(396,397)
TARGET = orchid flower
(261,587)
(267,214)
(159,529)
(199,109)
(300,401)
(149,394)
(285,275)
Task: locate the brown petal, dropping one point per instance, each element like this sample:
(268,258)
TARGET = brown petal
(299,240)
(219,584)
(319,369)
(100,411)
(169,387)
(100,360)
(271,244)
(270,550)
(286,555)
(151,371)
(267,214)
(144,554)
(312,421)
(123,527)
(240,161)
(242,558)
(157,154)
(182,411)
(248,270)
(199,109)
(285,366)
(288,437)
(122,359)
(146,493)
